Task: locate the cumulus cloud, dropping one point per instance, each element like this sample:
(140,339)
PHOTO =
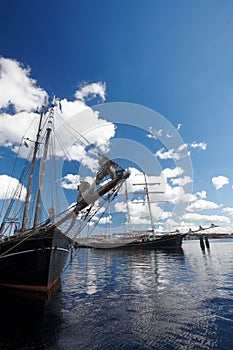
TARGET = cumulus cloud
(217,219)
(14,126)
(70,181)
(182,181)
(201,194)
(160,193)
(202,204)
(120,207)
(139,212)
(136,181)
(8,186)
(91,90)
(170,173)
(105,220)
(228,210)
(219,181)
(18,88)
(161,190)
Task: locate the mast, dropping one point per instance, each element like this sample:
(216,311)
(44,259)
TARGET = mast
(127,206)
(146,191)
(149,206)
(43,166)
(109,215)
(27,200)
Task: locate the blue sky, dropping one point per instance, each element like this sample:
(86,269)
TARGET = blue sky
(174,57)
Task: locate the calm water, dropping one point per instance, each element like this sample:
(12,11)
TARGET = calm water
(130,300)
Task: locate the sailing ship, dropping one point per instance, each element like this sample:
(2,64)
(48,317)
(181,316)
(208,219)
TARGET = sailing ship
(34,251)
(140,239)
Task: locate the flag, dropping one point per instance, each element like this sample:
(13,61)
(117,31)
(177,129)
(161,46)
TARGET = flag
(60,107)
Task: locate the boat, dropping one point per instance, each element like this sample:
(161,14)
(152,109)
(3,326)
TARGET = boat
(165,241)
(139,239)
(34,248)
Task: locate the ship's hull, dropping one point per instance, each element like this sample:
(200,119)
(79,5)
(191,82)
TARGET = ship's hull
(172,241)
(168,241)
(34,261)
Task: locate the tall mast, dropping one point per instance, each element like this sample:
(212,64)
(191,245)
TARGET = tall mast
(27,200)
(43,166)
(146,191)
(149,206)
(109,215)
(127,206)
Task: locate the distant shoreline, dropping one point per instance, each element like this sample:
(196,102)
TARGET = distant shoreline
(209,235)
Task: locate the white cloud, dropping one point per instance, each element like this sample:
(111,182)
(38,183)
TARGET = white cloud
(70,181)
(17,88)
(173,153)
(13,127)
(180,152)
(161,191)
(228,210)
(202,204)
(182,181)
(201,194)
(216,219)
(198,195)
(8,186)
(219,181)
(120,207)
(170,173)
(185,226)
(105,220)
(96,131)
(136,181)
(176,194)
(91,90)
(201,145)
(154,134)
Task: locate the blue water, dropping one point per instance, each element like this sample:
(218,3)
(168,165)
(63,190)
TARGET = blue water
(130,300)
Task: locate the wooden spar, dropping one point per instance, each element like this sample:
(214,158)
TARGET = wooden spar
(26,207)
(42,173)
(93,197)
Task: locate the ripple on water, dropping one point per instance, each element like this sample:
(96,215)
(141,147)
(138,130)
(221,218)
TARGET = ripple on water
(135,300)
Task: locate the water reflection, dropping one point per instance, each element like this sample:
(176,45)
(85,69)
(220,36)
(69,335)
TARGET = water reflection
(130,300)
(109,269)
(151,299)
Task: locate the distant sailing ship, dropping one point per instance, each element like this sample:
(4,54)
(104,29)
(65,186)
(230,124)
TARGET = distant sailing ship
(139,239)
(33,253)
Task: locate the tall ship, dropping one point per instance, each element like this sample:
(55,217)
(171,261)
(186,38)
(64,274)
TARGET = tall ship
(35,243)
(139,239)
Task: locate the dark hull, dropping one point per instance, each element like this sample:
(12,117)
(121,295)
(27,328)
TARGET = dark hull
(34,261)
(164,242)
(168,241)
